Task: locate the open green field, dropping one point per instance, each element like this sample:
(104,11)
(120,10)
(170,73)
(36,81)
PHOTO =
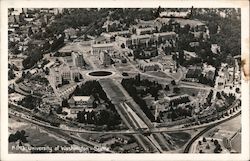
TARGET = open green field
(191,91)
(35,136)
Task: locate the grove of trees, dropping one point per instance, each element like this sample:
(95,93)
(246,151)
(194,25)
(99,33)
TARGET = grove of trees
(19,135)
(130,85)
(30,102)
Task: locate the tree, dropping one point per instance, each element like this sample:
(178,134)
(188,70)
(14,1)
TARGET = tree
(173,82)
(237,90)
(33,57)
(181,57)
(218,95)
(186,29)
(216,142)
(94,104)
(213,27)
(59,110)
(43,25)
(217,148)
(204,139)
(157,13)
(11,74)
(167,88)
(30,32)
(30,102)
(12,138)
(124,60)
(46,46)
(123,45)
(65,103)
(176,90)
(70,142)
(80,76)
(76,79)
(46,71)
(207,147)
(57,43)
(18,136)
(209,97)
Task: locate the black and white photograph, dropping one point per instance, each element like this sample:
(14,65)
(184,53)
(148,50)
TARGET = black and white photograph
(125,80)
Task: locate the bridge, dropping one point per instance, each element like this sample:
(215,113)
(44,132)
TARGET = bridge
(134,118)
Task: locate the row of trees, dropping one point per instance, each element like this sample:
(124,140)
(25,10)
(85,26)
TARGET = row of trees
(100,118)
(217,148)
(30,102)
(107,116)
(19,135)
(230,98)
(128,16)
(91,88)
(152,87)
(178,101)
(209,98)
(175,114)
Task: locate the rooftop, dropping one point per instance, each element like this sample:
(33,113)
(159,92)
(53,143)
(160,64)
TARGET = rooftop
(103,45)
(174,14)
(81,98)
(192,54)
(164,33)
(140,36)
(192,23)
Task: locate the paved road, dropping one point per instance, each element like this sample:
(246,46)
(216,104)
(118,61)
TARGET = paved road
(42,124)
(187,148)
(122,104)
(134,120)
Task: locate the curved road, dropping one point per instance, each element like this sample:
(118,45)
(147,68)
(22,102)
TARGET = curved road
(186,150)
(158,130)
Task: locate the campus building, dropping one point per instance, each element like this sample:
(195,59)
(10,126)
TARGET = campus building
(165,36)
(123,40)
(189,55)
(98,48)
(70,74)
(105,58)
(70,33)
(79,103)
(143,31)
(149,66)
(193,73)
(171,101)
(77,59)
(168,63)
(141,39)
(57,75)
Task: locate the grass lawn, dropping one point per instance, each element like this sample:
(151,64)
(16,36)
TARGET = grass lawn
(180,138)
(190,91)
